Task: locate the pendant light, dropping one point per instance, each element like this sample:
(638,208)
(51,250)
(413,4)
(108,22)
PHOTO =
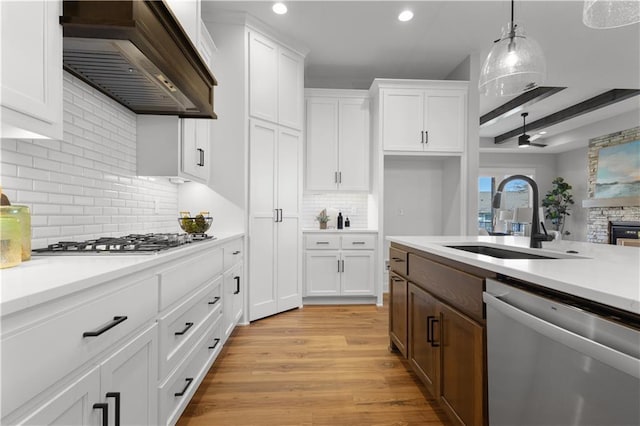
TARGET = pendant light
(602,14)
(514,65)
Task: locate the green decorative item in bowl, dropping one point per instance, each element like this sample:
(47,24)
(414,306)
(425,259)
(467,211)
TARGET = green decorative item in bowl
(195,225)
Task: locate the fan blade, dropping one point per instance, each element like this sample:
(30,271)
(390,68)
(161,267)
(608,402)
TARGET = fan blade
(539,145)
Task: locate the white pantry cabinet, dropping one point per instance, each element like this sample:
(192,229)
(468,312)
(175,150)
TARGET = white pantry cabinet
(275,155)
(337,140)
(425,116)
(275,82)
(31,69)
(339,265)
(173,147)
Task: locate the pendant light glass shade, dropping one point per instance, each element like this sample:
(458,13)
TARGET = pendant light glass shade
(514,65)
(601,14)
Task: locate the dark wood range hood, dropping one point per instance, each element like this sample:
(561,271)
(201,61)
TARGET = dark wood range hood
(138,54)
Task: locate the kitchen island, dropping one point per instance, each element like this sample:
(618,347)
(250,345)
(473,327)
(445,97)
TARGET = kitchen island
(439,320)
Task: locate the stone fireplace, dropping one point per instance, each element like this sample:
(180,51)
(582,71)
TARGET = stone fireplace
(606,210)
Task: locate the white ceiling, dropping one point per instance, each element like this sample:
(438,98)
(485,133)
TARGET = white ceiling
(352,42)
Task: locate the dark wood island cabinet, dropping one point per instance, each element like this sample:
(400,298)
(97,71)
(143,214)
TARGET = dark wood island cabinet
(437,321)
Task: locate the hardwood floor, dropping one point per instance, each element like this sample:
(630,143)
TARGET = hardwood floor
(320,365)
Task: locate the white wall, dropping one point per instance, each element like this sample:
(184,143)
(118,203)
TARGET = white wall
(85,186)
(573,167)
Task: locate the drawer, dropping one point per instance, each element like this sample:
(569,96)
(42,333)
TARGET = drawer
(232,253)
(461,290)
(184,324)
(176,392)
(322,242)
(398,261)
(37,357)
(358,242)
(188,275)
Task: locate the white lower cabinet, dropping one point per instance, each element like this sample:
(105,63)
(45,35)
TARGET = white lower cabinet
(339,265)
(233,299)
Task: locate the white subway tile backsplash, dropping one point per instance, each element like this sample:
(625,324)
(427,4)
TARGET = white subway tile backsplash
(85,185)
(352,205)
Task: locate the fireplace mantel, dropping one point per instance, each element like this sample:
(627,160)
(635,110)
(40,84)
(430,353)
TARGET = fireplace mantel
(611,202)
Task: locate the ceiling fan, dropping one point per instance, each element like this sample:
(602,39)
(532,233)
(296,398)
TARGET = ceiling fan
(523,140)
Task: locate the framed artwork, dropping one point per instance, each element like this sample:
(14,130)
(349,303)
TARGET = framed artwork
(618,172)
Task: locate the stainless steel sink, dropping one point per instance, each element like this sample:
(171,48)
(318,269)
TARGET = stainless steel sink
(501,253)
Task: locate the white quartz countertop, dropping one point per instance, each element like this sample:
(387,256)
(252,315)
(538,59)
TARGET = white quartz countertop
(340,231)
(44,278)
(602,273)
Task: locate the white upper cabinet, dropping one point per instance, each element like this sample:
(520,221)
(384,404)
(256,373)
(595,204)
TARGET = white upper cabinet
(337,141)
(275,82)
(31,69)
(187,12)
(173,147)
(429,117)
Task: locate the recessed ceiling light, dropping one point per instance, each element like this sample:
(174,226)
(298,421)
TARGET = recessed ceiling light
(279,8)
(405,15)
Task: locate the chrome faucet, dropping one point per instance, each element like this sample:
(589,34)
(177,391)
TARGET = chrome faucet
(536,237)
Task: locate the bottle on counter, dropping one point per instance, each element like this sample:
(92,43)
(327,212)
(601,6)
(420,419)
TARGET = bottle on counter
(347,223)
(339,220)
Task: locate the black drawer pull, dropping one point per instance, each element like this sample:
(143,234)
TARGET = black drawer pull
(105,412)
(115,395)
(236,252)
(188,326)
(215,343)
(189,380)
(107,326)
(237,278)
(358,242)
(215,300)
(397,259)
(200,157)
(433,340)
(322,242)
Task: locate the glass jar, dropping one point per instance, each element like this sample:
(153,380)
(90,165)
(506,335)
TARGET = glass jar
(10,241)
(23,216)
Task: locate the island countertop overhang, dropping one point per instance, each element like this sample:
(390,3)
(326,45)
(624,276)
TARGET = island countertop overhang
(605,274)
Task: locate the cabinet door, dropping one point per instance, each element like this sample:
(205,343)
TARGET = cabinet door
(132,373)
(398,312)
(288,275)
(322,273)
(322,145)
(31,50)
(237,294)
(357,273)
(461,373)
(290,87)
(353,156)
(195,148)
(423,352)
(263,78)
(70,407)
(445,120)
(403,120)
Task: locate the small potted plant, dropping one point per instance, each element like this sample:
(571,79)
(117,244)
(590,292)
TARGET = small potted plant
(322,218)
(557,204)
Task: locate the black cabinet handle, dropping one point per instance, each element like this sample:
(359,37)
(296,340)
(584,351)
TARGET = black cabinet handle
(215,343)
(116,395)
(342,265)
(433,340)
(201,157)
(280,215)
(358,242)
(189,380)
(236,252)
(338,265)
(237,278)
(215,300)
(107,326)
(397,259)
(322,242)
(105,412)
(422,136)
(335,177)
(339,177)
(188,326)
(426,136)
(429,338)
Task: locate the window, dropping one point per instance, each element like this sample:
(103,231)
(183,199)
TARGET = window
(516,194)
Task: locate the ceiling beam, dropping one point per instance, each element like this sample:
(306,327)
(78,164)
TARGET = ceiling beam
(592,104)
(517,104)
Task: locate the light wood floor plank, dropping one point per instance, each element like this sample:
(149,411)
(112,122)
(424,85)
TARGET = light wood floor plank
(316,366)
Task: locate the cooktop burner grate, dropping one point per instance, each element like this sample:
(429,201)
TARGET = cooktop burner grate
(130,244)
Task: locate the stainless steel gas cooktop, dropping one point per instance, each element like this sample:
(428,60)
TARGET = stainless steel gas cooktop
(128,244)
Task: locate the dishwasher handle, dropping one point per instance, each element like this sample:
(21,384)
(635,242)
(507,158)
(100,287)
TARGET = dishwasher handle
(615,359)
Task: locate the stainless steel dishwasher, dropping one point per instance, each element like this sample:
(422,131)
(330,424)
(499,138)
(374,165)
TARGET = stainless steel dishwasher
(555,362)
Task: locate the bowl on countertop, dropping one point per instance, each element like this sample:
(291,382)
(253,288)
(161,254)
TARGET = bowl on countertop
(195,225)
